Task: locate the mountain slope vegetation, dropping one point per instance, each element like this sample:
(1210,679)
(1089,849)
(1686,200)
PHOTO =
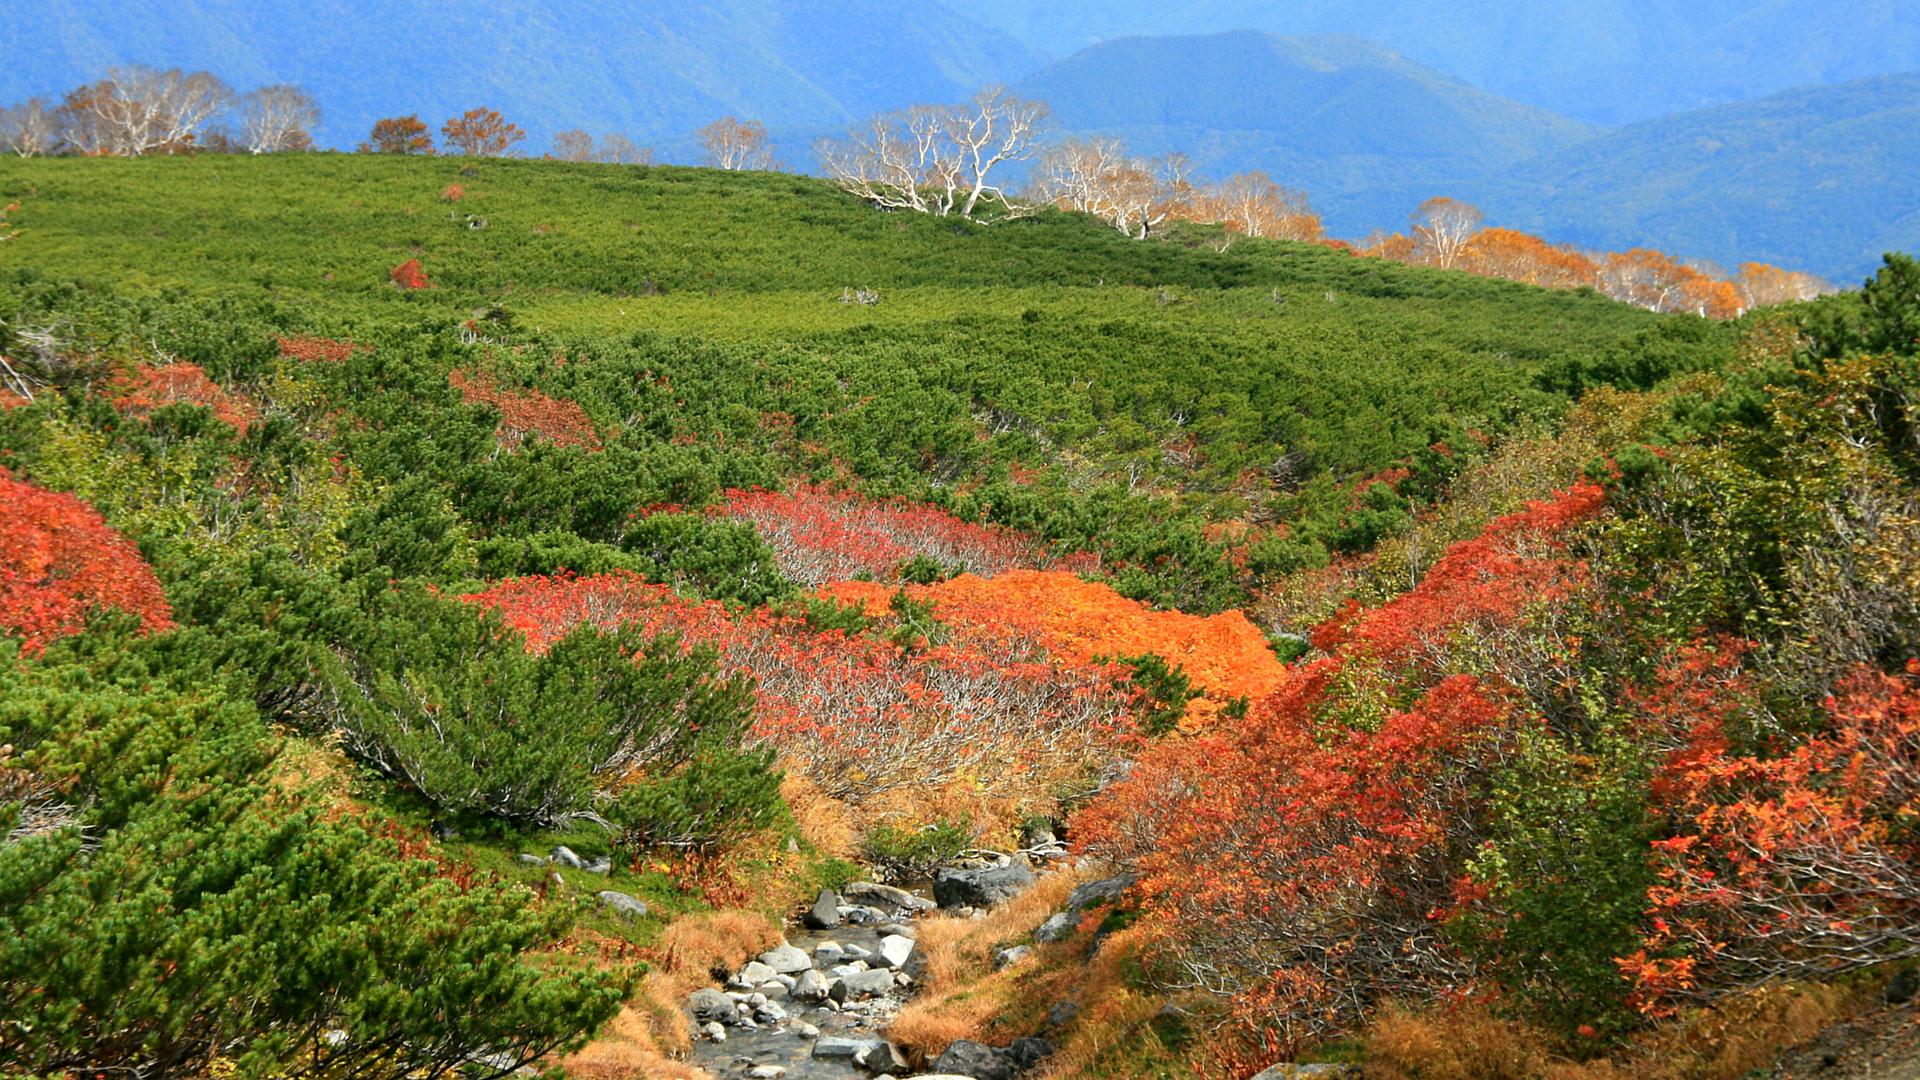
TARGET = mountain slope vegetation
(455,610)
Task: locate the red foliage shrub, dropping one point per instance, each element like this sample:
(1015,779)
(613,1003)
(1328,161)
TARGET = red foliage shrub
(318,350)
(528,412)
(146,387)
(452,193)
(59,559)
(409,275)
(819,536)
(1793,865)
(1225,656)
(860,717)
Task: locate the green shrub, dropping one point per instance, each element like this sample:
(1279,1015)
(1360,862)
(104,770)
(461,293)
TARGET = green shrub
(898,854)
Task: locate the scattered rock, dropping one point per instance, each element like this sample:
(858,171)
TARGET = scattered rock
(532,860)
(769,1012)
(600,866)
(1028,1052)
(1063,1014)
(753,974)
(715,1031)
(786,960)
(880,1057)
(1058,928)
(860,984)
(812,986)
(708,1005)
(1006,958)
(806,1031)
(900,928)
(874,892)
(964,1057)
(1103,891)
(828,953)
(1287,1070)
(837,1048)
(631,907)
(980,888)
(1903,987)
(825,913)
(894,951)
(766,1072)
(564,855)
(442,831)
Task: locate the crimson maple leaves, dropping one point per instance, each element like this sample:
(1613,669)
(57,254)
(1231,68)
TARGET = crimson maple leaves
(59,561)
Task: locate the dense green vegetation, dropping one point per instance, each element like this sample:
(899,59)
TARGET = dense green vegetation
(320,467)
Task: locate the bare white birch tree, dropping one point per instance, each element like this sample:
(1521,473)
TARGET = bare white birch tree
(937,159)
(29,128)
(1442,228)
(736,145)
(617,149)
(274,119)
(141,110)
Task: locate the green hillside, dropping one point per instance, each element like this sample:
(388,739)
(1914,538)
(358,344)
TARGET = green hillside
(1165,371)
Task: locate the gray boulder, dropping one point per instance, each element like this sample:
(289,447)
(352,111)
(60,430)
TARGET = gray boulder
(1063,1014)
(710,1006)
(837,1048)
(786,960)
(1106,890)
(1006,958)
(564,855)
(894,951)
(880,1057)
(980,888)
(861,984)
(964,1057)
(620,902)
(812,986)
(752,974)
(532,860)
(825,913)
(1028,1052)
(873,892)
(1058,928)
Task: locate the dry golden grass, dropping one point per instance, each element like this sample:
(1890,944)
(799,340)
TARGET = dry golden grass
(824,821)
(1726,1042)
(1113,1014)
(652,1032)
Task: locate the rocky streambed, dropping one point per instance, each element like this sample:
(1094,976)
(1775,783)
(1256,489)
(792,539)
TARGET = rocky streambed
(816,1007)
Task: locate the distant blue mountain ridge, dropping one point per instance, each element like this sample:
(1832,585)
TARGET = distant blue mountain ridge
(1821,177)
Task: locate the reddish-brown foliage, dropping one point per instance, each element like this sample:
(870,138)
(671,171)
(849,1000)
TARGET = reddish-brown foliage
(59,559)
(528,412)
(860,717)
(409,275)
(318,350)
(1790,865)
(1225,656)
(819,536)
(146,387)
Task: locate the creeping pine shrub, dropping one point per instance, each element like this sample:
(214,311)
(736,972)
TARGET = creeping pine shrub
(169,901)
(446,698)
(898,854)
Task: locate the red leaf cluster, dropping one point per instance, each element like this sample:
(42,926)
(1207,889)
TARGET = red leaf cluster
(859,716)
(819,535)
(528,412)
(408,275)
(318,350)
(59,559)
(1225,656)
(146,387)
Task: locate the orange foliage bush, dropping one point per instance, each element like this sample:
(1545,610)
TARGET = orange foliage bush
(1225,656)
(317,349)
(59,559)
(409,275)
(146,387)
(528,412)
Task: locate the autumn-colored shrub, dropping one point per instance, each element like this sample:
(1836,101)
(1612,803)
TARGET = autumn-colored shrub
(141,389)
(868,720)
(408,275)
(316,350)
(59,560)
(528,412)
(819,535)
(1224,656)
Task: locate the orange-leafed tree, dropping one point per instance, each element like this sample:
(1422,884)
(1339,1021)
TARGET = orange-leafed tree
(1518,256)
(59,560)
(480,133)
(1762,285)
(398,135)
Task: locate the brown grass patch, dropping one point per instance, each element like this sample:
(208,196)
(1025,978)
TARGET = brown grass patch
(713,944)
(824,821)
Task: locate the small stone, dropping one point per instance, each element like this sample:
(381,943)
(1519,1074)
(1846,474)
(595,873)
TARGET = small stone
(1006,958)
(532,860)
(1099,892)
(620,902)
(880,1057)
(828,953)
(753,974)
(1057,928)
(806,1031)
(883,894)
(1063,1014)
(715,1032)
(836,1048)
(766,1072)
(862,984)
(894,951)
(786,960)
(564,855)
(964,1057)
(858,952)
(825,913)
(600,866)
(900,928)
(812,986)
(769,1013)
(1028,1052)
(756,998)
(707,1004)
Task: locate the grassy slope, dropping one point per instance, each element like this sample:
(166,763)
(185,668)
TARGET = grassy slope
(1030,316)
